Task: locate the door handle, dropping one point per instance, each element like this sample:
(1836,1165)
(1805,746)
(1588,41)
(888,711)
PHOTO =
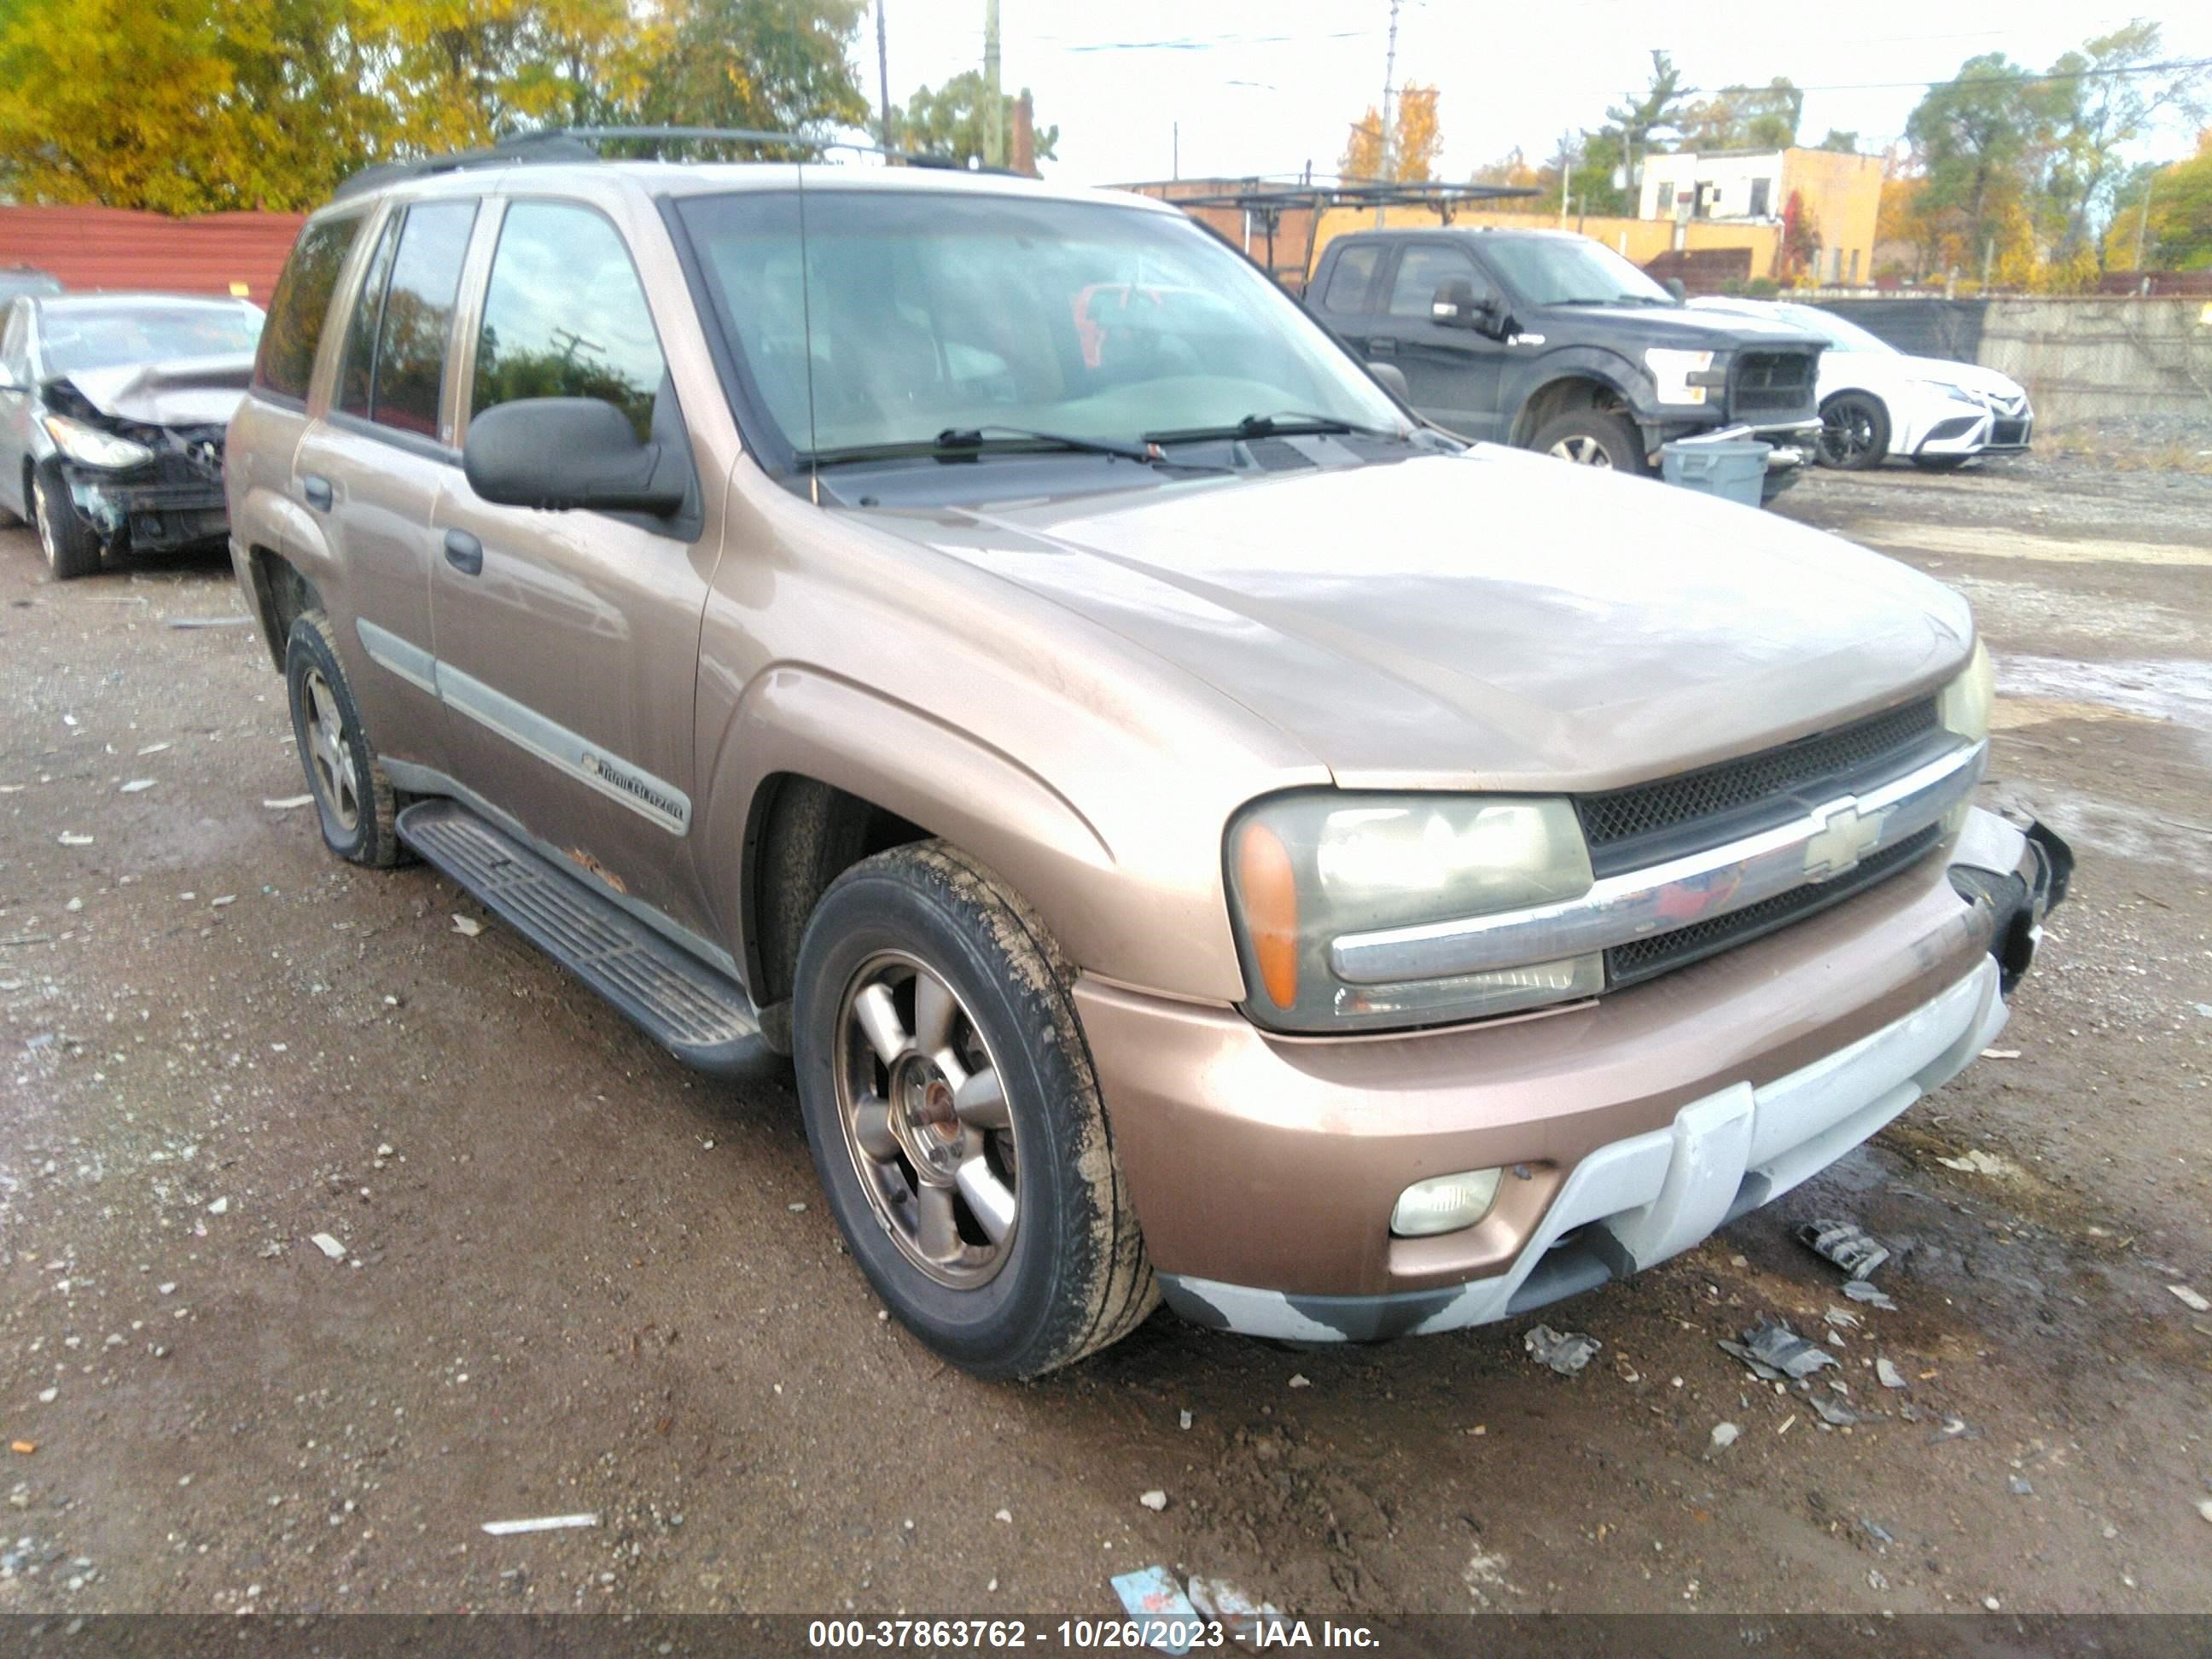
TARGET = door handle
(463,552)
(1382,345)
(317,489)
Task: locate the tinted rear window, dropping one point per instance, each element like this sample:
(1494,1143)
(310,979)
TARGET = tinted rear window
(295,329)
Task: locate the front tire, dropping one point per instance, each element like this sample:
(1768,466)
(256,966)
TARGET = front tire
(354,799)
(71,549)
(954,1118)
(1595,438)
(1854,432)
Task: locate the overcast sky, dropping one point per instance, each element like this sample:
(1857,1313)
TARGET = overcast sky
(1266,86)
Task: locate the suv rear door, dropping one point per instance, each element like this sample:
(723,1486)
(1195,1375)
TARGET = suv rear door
(1453,372)
(568,643)
(369,469)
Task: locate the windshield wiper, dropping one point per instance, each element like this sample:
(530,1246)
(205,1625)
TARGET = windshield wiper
(970,441)
(1287,422)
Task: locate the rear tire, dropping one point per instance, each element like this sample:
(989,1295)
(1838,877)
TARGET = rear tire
(1594,437)
(954,1118)
(1854,432)
(354,799)
(71,549)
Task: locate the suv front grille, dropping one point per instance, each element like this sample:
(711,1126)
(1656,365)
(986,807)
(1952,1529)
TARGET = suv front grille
(1773,383)
(1647,823)
(1625,964)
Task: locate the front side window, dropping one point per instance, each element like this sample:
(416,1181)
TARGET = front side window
(407,309)
(896,316)
(302,301)
(565,316)
(1421,272)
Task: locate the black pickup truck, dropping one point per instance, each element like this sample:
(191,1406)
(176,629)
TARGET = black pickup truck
(1551,341)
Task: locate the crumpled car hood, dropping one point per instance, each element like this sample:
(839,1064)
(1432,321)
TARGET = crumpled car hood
(184,391)
(1492,620)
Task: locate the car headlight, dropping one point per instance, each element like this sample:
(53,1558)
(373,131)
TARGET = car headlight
(1306,869)
(1681,376)
(88,446)
(1965,705)
(1958,393)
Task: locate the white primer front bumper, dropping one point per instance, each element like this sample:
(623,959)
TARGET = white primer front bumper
(1654,1195)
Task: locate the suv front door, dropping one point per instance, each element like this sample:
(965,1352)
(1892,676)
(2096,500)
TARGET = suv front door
(1452,370)
(568,643)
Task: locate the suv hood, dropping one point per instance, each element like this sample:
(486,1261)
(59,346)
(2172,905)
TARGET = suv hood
(1490,620)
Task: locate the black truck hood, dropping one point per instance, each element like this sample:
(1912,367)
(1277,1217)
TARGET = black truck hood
(1617,326)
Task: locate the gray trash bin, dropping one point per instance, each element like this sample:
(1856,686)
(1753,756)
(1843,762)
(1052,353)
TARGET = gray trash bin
(1733,468)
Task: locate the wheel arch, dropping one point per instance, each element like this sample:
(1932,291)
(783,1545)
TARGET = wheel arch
(1569,386)
(822,773)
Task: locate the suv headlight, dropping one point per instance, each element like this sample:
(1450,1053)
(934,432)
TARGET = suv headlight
(1306,869)
(1680,376)
(1965,705)
(88,446)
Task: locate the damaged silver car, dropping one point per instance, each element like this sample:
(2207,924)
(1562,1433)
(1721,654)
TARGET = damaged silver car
(113,408)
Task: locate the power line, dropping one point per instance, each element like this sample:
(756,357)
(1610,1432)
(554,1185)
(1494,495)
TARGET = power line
(2014,80)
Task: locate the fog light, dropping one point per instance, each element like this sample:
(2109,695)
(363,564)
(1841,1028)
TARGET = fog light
(1444,1204)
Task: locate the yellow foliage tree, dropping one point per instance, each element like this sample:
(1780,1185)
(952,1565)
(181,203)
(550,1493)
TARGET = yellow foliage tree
(185,107)
(1415,140)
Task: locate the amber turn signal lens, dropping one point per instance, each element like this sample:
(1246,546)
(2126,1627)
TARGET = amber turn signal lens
(1269,888)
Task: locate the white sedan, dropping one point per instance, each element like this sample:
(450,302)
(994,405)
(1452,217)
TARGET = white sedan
(1877,401)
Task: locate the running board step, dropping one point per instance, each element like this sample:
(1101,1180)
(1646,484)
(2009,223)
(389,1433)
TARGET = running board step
(701,1017)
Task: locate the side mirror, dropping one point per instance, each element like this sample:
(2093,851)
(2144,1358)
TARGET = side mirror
(1392,379)
(1674,285)
(561,453)
(1454,306)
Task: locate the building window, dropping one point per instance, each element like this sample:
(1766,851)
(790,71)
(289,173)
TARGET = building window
(1760,189)
(1666,196)
(1855,267)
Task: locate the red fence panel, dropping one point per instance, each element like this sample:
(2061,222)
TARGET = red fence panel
(101,247)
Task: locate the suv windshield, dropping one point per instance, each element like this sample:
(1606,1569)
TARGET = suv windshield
(1568,270)
(108,337)
(916,313)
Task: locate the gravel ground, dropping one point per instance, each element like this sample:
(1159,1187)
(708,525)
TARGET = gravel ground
(569,1277)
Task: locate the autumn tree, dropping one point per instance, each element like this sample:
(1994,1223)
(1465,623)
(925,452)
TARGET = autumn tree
(949,121)
(1980,140)
(774,64)
(189,106)
(1745,118)
(2109,95)
(2162,216)
(1415,140)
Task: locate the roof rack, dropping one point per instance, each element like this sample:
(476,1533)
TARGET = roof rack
(554,145)
(1267,203)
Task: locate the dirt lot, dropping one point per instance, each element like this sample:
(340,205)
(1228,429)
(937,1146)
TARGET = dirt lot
(577,1279)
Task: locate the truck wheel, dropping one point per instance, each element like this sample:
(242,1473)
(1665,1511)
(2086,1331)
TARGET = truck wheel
(1592,437)
(1854,432)
(954,1118)
(353,798)
(71,549)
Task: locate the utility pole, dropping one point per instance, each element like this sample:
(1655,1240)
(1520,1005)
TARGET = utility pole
(883,75)
(2142,217)
(994,112)
(1390,88)
(1175,140)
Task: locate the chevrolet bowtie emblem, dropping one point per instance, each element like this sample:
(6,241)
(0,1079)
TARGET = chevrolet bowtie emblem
(1842,840)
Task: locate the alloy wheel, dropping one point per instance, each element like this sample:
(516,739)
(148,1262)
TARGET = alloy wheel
(923,1106)
(1846,434)
(1583,450)
(328,754)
